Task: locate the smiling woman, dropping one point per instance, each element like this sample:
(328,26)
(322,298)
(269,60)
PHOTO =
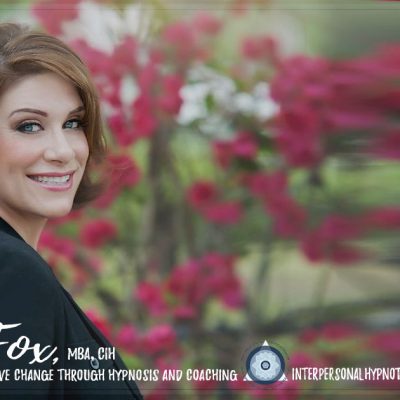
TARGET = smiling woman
(50,137)
(43,151)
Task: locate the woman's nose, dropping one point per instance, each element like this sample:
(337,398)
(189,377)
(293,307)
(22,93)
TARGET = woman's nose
(58,147)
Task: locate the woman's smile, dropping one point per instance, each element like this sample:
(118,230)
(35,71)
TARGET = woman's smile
(54,181)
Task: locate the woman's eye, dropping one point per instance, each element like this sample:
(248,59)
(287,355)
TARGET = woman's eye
(73,124)
(29,127)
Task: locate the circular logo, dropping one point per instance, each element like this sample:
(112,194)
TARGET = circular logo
(265,365)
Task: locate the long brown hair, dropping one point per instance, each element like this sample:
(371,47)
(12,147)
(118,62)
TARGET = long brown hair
(24,52)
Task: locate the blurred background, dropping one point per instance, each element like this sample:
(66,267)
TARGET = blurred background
(253,187)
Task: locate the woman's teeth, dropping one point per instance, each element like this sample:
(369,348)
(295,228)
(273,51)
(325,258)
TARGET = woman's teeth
(51,179)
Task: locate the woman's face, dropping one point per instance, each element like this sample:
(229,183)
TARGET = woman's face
(43,147)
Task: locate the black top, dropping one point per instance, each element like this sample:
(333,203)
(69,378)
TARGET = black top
(31,296)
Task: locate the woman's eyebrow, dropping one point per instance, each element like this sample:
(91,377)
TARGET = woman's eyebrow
(76,110)
(43,113)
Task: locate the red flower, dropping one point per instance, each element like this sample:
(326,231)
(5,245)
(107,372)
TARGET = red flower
(201,193)
(184,312)
(122,172)
(329,241)
(309,336)
(206,23)
(259,48)
(184,283)
(228,212)
(170,99)
(383,218)
(151,296)
(52,16)
(386,342)
(95,234)
(159,338)
(124,57)
(120,129)
(386,146)
(265,185)
(245,145)
(99,62)
(289,216)
(335,331)
(181,51)
(211,276)
(61,246)
(127,338)
(101,323)
(223,152)
(299,136)
(144,122)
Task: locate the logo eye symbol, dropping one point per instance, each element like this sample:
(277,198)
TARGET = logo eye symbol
(265,365)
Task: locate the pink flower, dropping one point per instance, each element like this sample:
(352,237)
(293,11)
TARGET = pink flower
(73,216)
(231,294)
(259,47)
(124,171)
(61,246)
(336,331)
(299,137)
(159,338)
(184,312)
(328,241)
(97,233)
(170,99)
(211,276)
(181,51)
(245,145)
(101,323)
(127,338)
(289,216)
(387,342)
(225,213)
(386,145)
(267,185)
(124,56)
(148,76)
(223,152)
(206,23)
(337,227)
(51,16)
(383,218)
(99,62)
(150,294)
(184,283)
(144,122)
(201,193)
(120,129)
(309,336)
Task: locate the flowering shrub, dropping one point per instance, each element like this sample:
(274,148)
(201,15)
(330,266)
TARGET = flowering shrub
(267,130)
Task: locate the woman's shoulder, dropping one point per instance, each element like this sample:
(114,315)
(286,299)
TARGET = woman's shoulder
(19,261)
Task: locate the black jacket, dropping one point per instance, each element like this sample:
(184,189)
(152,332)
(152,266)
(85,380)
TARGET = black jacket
(30,295)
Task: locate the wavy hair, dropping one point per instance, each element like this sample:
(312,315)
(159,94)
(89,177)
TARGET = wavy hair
(24,52)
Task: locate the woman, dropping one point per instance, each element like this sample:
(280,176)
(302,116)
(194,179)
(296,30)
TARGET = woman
(50,136)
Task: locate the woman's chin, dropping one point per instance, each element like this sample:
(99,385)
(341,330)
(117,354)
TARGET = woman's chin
(60,211)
